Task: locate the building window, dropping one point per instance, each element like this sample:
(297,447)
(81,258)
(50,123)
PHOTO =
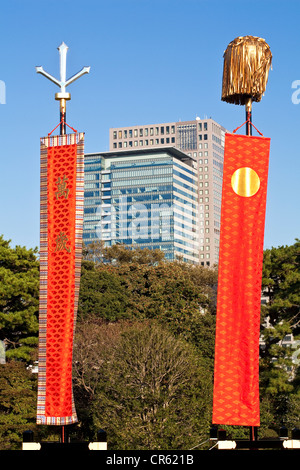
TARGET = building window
(187,137)
(115,134)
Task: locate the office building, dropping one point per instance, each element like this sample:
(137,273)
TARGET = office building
(146,197)
(203,141)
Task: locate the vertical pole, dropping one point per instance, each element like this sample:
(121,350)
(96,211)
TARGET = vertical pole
(62,434)
(62,116)
(248,106)
(249,116)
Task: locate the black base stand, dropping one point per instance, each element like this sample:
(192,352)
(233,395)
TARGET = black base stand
(65,444)
(219,441)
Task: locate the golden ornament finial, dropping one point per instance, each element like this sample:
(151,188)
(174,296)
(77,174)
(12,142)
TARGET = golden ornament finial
(247,61)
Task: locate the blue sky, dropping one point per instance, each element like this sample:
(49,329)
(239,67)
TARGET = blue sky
(151,61)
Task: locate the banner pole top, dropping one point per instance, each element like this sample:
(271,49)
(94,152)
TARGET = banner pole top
(247,61)
(62,96)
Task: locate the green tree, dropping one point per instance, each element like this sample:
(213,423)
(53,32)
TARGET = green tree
(127,254)
(19,299)
(281,286)
(94,252)
(148,382)
(280,316)
(17,404)
(119,254)
(134,286)
(101,294)
(178,295)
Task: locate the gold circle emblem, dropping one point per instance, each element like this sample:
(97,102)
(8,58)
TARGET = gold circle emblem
(245,182)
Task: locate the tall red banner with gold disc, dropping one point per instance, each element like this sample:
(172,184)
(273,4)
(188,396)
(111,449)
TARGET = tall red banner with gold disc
(62,190)
(236,377)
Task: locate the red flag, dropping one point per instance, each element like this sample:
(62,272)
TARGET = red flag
(236,375)
(62,185)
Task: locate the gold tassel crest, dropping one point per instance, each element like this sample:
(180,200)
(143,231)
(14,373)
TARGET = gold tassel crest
(247,61)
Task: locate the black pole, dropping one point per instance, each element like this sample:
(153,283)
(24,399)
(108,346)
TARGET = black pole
(249,117)
(62,123)
(253,429)
(62,116)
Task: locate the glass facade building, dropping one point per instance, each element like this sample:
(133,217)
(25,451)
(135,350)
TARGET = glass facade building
(143,197)
(203,140)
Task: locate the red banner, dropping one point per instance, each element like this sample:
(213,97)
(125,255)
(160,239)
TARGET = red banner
(236,375)
(62,186)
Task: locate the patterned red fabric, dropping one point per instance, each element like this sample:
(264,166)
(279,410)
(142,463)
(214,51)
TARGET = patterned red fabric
(61,242)
(236,375)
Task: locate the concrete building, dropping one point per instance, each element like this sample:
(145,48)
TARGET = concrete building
(203,141)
